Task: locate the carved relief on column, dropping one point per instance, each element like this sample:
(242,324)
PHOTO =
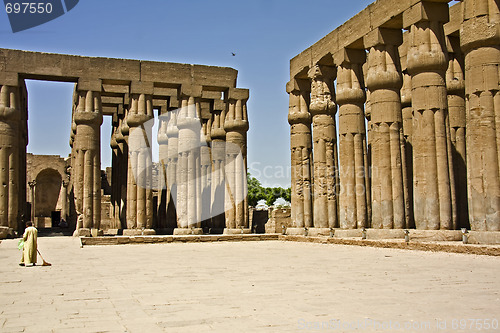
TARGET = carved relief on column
(480,41)
(324,136)
(236,127)
(139,197)
(188,123)
(427,63)
(218,136)
(455,85)
(87,144)
(10,117)
(384,82)
(353,168)
(299,119)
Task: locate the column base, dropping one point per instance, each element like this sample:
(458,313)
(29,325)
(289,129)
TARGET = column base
(314,232)
(348,233)
(188,231)
(296,231)
(96,232)
(138,232)
(6,232)
(239,231)
(82,232)
(215,231)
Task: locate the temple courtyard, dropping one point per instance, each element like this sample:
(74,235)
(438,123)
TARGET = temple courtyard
(269,286)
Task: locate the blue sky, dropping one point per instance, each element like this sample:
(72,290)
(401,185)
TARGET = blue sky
(264,34)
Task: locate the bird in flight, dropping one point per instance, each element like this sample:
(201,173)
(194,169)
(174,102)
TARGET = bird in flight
(234,54)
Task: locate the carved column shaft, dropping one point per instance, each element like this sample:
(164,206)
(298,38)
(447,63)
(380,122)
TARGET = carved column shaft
(354,196)
(432,169)
(480,42)
(218,145)
(10,117)
(139,193)
(324,136)
(384,83)
(299,119)
(88,119)
(455,85)
(236,127)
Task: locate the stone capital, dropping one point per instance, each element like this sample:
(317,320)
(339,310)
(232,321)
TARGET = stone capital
(318,72)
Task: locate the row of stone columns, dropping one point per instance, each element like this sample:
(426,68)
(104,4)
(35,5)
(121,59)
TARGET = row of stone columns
(202,162)
(412,172)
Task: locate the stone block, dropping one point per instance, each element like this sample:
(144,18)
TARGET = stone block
(315,232)
(435,235)
(296,231)
(187,231)
(132,232)
(385,234)
(4,232)
(484,237)
(228,231)
(348,233)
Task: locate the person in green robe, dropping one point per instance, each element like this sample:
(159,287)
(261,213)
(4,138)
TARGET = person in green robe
(30,245)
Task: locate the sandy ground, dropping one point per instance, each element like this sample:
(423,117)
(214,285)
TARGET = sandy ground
(268,286)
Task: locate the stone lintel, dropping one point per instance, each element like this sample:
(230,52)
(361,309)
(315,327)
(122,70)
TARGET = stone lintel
(352,56)
(383,36)
(426,11)
(238,94)
(190,90)
(142,87)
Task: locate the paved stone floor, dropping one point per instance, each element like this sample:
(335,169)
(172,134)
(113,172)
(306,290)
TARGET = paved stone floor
(245,287)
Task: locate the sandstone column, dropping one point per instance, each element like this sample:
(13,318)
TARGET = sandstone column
(353,210)
(10,117)
(123,158)
(324,136)
(64,208)
(480,41)
(427,63)
(218,136)
(299,119)
(172,165)
(236,127)
(455,85)
(88,119)
(384,82)
(206,173)
(139,192)
(406,144)
(188,123)
(163,186)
